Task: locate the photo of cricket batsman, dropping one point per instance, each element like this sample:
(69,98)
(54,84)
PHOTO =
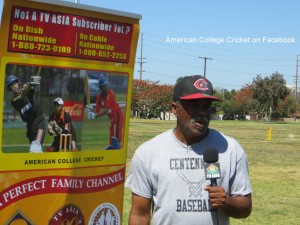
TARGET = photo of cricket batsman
(107,105)
(24,102)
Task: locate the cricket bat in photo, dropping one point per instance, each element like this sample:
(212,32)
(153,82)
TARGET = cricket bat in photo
(87,89)
(39,71)
(87,92)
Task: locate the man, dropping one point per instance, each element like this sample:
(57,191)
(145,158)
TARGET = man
(106,104)
(30,111)
(167,176)
(60,122)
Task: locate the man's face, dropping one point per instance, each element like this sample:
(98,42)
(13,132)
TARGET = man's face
(193,117)
(15,85)
(103,90)
(58,108)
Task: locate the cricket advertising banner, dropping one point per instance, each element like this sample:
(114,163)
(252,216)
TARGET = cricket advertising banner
(66,75)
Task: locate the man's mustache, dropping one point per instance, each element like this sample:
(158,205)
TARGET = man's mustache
(200,118)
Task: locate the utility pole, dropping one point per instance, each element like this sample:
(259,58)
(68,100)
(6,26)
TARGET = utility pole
(296,91)
(205,58)
(141,58)
(296,95)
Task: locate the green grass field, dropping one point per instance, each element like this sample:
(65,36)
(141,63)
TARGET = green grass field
(91,135)
(274,166)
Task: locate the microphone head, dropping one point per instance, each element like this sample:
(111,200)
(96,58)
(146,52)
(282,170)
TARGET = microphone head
(211,165)
(210,155)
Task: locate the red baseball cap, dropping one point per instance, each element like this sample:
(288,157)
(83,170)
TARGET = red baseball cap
(194,87)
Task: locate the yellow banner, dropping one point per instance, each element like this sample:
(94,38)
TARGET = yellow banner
(66,75)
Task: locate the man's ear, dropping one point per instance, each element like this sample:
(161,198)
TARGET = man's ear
(174,107)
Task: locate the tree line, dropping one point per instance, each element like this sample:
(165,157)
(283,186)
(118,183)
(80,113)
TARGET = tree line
(265,98)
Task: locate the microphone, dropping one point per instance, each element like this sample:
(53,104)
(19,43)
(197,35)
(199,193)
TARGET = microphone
(211,165)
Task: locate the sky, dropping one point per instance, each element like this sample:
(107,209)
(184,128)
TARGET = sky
(240,39)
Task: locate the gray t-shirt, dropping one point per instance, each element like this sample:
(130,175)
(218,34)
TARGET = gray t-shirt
(172,174)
